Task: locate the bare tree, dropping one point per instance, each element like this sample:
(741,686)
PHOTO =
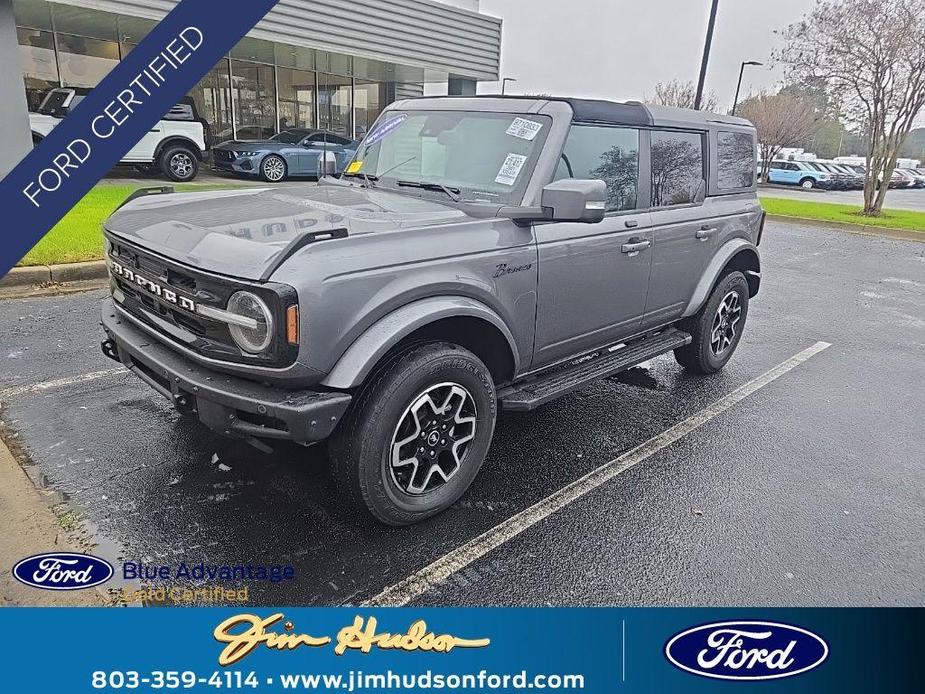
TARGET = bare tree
(871,56)
(781,120)
(682,95)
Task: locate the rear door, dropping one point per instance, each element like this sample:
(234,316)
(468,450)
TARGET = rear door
(593,278)
(684,235)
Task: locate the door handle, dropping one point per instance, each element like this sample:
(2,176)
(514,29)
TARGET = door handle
(630,223)
(705,232)
(635,245)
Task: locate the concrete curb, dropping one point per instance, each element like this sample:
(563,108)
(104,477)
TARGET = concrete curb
(54,274)
(46,280)
(863,229)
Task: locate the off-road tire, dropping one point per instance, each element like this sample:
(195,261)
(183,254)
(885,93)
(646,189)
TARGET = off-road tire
(274,163)
(698,356)
(170,163)
(360,449)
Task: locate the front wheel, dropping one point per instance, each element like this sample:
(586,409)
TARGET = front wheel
(273,169)
(717,328)
(179,163)
(808,183)
(417,433)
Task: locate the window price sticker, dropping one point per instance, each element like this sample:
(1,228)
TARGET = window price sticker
(524,129)
(510,169)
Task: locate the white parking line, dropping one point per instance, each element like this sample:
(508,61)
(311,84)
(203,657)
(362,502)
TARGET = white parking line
(430,576)
(7,393)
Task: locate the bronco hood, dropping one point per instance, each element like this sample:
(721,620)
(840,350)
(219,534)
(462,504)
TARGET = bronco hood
(241,233)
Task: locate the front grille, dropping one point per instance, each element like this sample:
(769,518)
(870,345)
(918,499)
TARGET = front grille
(177,321)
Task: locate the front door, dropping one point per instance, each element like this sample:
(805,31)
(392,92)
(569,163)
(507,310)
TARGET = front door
(684,238)
(593,278)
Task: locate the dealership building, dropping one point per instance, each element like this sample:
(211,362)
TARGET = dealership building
(332,64)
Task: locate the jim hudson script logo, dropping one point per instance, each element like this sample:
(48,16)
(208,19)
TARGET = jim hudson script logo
(62,571)
(746,650)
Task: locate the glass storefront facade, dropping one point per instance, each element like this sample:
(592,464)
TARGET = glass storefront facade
(259,89)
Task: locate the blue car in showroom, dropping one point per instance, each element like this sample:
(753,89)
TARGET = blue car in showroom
(293,152)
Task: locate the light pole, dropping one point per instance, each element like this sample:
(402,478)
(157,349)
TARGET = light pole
(706,55)
(504,82)
(735,102)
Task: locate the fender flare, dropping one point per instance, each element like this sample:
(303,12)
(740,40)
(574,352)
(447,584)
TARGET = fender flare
(356,363)
(177,140)
(712,273)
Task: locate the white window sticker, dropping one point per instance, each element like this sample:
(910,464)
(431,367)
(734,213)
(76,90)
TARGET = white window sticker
(510,169)
(524,129)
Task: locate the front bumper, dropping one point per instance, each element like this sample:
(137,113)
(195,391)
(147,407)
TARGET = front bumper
(249,166)
(229,405)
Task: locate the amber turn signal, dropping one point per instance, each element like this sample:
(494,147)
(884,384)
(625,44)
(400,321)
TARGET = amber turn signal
(292,325)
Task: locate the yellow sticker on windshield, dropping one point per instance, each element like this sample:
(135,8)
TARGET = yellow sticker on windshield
(355,167)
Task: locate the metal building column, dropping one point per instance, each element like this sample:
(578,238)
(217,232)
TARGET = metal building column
(15,133)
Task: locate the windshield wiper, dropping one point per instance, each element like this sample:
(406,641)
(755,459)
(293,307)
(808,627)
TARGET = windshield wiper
(368,179)
(452,193)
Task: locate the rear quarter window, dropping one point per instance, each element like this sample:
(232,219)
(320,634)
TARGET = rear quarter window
(735,165)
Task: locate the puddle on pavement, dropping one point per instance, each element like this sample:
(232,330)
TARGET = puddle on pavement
(638,376)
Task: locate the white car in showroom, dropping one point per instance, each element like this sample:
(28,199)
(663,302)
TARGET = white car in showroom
(174,146)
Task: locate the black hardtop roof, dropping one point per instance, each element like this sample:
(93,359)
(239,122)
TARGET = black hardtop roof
(624,112)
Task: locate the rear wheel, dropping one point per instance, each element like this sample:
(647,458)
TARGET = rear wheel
(179,163)
(417,433)
(273,168)
(717,328)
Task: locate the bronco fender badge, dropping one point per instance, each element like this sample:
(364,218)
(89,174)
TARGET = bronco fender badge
(746,650)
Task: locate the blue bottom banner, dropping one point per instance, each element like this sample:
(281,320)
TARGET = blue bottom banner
(480,649)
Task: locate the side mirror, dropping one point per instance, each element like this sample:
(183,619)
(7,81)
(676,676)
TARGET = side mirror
(575,200)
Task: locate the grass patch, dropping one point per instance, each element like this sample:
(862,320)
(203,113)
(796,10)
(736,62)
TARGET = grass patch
(78,235)
(68,520)
(826,211)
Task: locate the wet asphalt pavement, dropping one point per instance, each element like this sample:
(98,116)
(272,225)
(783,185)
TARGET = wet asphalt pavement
(811,491)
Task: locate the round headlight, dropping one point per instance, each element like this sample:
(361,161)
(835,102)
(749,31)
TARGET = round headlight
(252,338)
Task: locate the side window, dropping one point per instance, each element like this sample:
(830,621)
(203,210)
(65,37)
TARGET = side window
(735,165)
(610,154)
(677,167)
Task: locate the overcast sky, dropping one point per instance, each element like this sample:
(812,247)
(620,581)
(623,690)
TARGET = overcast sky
(619,49)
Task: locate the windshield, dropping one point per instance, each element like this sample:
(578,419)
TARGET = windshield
(485,157)
(290,137)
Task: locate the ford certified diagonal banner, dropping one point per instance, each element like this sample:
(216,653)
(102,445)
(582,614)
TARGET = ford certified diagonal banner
(115,115)
(333,358)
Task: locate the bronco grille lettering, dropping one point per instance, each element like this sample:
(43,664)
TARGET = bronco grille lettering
(151,287)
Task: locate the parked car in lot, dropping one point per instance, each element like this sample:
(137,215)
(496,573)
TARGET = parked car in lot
(801,173)
(912,178)
(294,152)
(855,180)
(173,147)
(478,254)
(844,180)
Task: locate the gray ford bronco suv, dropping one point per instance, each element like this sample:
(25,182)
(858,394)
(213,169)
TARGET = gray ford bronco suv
(478,254)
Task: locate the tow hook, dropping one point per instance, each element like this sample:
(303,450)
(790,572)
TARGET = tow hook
(110,350)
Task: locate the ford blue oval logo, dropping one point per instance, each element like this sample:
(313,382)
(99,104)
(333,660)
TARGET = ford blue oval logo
(746,650)
(62,571)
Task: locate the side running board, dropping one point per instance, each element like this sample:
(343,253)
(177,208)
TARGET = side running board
(543,388)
